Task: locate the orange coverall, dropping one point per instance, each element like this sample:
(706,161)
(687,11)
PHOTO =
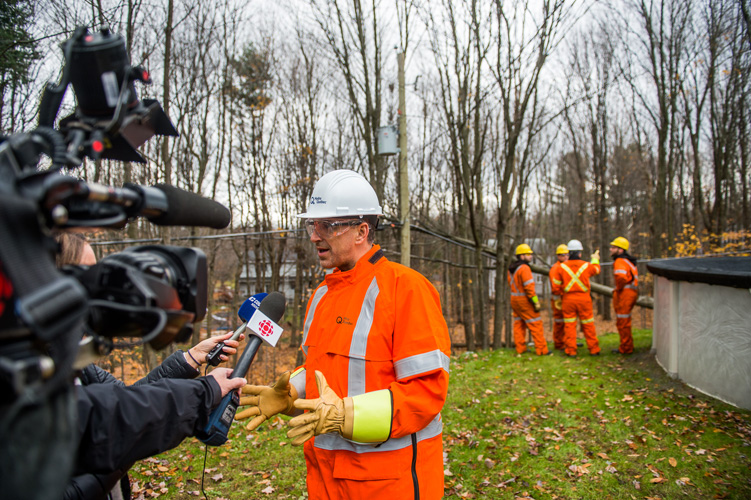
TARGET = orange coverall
(624,298)
(378,326)
(522,290)
(571,281)
(558,325)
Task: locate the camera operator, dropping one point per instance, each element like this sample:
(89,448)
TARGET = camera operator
(108,409)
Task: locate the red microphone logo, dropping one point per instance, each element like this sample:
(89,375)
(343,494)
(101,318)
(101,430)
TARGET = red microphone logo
(265,328)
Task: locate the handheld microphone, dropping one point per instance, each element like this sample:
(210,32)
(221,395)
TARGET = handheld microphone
(263,325)
(247,309)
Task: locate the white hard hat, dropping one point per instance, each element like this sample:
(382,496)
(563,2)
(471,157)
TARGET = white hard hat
(575,246)
(342,193)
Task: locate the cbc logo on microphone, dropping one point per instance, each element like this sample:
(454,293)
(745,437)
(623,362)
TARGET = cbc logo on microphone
(265,328)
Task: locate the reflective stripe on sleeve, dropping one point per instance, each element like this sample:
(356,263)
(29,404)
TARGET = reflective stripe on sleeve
(372,415)
(297,380)
(622,315)
(531,280)
(333,441)
(514,294)
(421,363)
(620,271)
(311,312)
(557,282)
(631,287)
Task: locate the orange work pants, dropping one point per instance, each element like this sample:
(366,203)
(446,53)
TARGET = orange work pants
(558,327)
(623,303)
(328,479)
(526,317)
(579,304)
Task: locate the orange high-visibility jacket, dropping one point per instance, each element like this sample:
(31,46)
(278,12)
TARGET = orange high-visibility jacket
(573,276)
(522,283)
(553,271)
(378,327)
(626,274)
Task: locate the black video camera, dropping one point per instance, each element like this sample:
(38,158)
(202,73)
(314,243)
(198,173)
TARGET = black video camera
(152,293)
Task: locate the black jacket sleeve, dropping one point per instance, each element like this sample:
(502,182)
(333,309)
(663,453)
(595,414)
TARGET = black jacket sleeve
(174,366)
(119,425)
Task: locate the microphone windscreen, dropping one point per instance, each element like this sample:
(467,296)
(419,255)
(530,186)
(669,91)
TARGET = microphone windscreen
(189,209)
(250,305)
(273,306)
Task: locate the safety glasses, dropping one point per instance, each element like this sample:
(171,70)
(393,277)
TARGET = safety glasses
(327,228)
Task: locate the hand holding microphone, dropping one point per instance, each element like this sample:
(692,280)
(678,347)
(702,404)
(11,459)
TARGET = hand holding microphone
(221,346)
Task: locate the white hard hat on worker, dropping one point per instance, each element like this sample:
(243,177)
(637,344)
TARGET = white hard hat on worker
(342,193)
(342,200)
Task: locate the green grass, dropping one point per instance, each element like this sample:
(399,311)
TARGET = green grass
(523,427)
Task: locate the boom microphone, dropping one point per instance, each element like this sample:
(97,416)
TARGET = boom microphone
(162,204)
(271,310)
(189,209)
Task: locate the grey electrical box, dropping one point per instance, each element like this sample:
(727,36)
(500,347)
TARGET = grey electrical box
(388,138)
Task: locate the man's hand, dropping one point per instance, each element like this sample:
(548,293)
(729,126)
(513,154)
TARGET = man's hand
(537,306)
(264,402)
(595,257)
(226,384)
(328,413)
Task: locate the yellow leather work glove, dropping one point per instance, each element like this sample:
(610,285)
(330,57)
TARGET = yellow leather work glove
(558,304)
(264,402)
(328,413)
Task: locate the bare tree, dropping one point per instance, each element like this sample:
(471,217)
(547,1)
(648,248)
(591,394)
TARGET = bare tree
(524,40)
(353,33)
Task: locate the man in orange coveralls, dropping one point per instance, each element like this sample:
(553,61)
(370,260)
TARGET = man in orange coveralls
(626,291)
(571,280)
(524,302)
(561,255)
(376,371)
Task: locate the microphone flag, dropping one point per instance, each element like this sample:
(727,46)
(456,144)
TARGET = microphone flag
(263,327)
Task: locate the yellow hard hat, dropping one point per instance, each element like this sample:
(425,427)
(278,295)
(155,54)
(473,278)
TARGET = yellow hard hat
(620,242)
(523,249)
(561,249)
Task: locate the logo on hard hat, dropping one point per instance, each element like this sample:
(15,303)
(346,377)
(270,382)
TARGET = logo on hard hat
(317,200)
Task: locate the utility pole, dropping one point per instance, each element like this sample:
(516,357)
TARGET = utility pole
(403,172)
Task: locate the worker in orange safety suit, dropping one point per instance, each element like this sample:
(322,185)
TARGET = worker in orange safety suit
(561,255)
(524,302)
(571,281)
(376,369)
(626,291)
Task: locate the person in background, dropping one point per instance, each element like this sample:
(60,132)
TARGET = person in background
(561,255)
(626,292)
(376,370)
(571,281)
(524,302)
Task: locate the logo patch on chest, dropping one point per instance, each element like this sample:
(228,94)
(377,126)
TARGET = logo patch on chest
(343,320)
